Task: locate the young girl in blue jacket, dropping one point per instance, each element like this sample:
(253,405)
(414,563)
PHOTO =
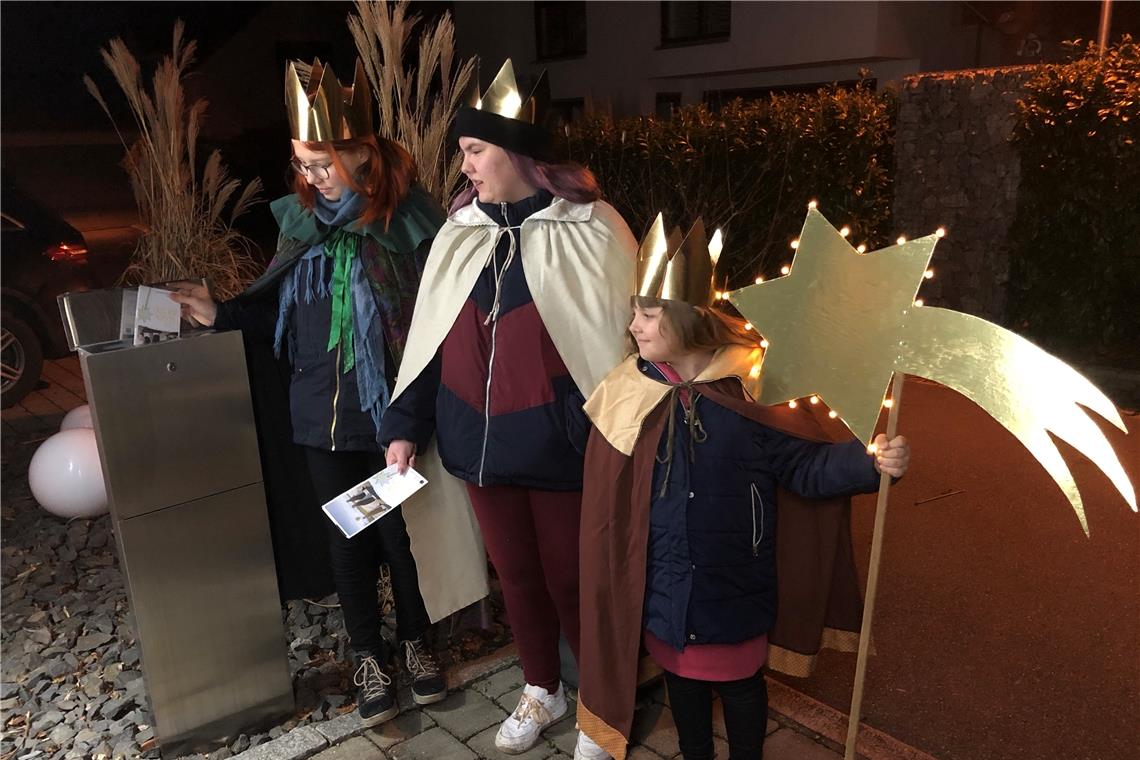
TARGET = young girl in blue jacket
(678,535)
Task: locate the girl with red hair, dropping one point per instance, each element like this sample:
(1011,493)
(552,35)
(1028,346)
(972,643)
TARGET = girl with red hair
(336,301)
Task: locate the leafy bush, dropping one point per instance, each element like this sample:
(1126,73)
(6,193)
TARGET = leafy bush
(750,168)
(1075,239)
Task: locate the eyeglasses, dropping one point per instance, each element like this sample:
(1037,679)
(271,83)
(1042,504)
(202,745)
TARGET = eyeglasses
(317,171)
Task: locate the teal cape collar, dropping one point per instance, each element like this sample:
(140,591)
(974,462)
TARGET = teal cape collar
(415,220)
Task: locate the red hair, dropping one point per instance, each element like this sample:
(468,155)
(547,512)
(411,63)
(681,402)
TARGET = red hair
(384,178)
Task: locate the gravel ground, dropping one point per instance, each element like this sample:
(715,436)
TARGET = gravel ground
(72,683)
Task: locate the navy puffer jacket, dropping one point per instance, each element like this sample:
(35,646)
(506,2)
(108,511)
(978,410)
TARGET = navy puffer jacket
(711,571)
(498,396)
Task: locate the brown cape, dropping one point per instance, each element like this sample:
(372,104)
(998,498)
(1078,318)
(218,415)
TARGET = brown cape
(819,603)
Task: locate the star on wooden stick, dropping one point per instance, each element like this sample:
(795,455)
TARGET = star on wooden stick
(841,323)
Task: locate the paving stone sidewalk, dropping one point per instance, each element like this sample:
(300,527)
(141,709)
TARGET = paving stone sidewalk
(463,727)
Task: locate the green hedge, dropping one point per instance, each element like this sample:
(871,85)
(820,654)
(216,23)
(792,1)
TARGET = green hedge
(750,168)
(1075,257)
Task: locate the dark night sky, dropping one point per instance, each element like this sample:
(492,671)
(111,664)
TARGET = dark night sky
(58,144)
(47,47)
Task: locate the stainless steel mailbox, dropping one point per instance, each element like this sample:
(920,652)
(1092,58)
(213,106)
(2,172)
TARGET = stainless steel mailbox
(178,444)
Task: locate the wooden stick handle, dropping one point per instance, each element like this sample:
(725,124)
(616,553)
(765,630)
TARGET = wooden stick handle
(872,579)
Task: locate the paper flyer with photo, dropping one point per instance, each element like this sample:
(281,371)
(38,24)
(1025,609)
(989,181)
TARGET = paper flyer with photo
(368,501)
(157,318)
(127,318)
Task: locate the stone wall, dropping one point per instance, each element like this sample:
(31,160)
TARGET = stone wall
(955,168)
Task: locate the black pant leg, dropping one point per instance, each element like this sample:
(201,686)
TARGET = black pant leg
(356,560)
(396,549)
(745,715)
(691,702)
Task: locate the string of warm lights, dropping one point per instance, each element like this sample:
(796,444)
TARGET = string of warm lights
(845,231)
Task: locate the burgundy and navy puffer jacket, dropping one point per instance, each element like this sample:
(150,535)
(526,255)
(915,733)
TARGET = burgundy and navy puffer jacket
(498,395)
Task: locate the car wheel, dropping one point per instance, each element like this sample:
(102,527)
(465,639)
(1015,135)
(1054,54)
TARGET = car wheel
(21,359)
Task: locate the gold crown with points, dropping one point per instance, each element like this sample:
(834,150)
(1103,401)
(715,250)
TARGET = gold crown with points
(503,97)
(676,267)
(322,110)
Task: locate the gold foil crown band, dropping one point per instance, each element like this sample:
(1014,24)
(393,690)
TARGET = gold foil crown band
(676,267)
(322,110)
(503,97)
(501,117)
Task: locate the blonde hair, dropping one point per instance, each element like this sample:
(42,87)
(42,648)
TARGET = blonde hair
(698,328)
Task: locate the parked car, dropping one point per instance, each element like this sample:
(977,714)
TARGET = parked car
(43,256)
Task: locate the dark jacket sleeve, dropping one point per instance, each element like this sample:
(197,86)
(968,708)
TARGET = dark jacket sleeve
(577,422)
(422,255)
(820,470)
(256,316)
(411,416)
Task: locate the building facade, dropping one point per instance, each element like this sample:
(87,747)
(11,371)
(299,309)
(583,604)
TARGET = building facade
(630,58)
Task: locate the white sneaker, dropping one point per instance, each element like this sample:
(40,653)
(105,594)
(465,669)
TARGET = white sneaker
(537,709)
(588,749)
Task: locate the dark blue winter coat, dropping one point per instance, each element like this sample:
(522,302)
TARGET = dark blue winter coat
(711,568)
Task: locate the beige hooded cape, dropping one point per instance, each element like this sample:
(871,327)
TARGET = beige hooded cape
(578,259)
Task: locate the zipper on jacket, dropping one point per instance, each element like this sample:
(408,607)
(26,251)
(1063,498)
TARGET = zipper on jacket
(487,403)
(756,497)
(491,361)
(336,397)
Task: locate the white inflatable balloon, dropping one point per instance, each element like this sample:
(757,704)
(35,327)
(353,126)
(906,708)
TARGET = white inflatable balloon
(65,476)
(79,417)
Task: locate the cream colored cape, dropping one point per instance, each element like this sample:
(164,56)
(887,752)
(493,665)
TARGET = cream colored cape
(579,260)
(619,406)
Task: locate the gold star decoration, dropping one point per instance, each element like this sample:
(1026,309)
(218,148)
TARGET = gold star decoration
(834,322)
(841,323)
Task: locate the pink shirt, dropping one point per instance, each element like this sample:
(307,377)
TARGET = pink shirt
(707,662)
(710,662)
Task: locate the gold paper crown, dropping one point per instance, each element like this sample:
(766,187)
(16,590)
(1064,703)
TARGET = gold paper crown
(676,268)
(503,97)
(324,110)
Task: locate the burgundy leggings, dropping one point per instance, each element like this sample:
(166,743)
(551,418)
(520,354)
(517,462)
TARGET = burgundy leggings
(532,539)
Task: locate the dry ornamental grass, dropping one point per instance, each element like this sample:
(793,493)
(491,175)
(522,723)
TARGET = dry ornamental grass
(417,103)
(187,232)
